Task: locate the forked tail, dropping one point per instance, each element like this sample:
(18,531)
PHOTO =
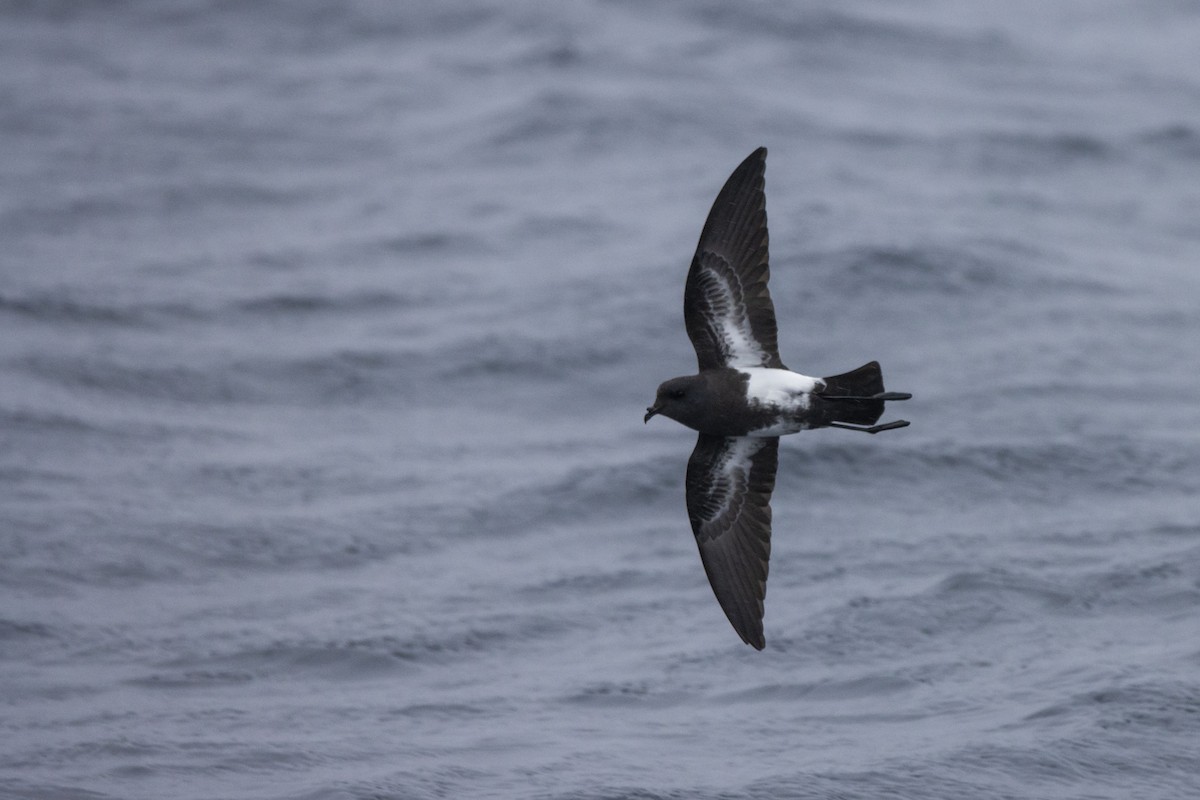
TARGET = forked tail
(855,399)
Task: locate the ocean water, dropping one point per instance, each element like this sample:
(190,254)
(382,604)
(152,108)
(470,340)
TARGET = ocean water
(326,331)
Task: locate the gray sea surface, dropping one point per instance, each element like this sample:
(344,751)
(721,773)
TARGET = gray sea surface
(326,331)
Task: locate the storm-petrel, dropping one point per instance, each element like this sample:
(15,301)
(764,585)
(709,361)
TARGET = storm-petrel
(743,398)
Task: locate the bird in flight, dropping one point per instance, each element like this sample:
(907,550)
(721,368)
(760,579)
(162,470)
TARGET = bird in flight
(743,398)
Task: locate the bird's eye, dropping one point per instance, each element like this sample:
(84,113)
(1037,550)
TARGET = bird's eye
(675,394)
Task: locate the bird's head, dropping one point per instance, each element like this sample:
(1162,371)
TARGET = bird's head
(678,399)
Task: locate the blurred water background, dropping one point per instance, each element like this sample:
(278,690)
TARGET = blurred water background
(326,332)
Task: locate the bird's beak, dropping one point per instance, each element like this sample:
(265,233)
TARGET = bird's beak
(650,412)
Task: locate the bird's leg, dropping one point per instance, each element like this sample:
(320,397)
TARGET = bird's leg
(880,396)
(887,426)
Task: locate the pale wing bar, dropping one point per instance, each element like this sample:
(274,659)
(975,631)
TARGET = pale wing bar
(726,337)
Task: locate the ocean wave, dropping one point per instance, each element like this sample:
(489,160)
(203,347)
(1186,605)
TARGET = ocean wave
(343,376)
(1041,471)
(48,426)
(337,659)
(853,688)
(981,269)
(1026,151)
(13,630)
(841,29)
(1083,763)
(1154,707)
(1034,472)
(174,382)
(292,304)
(578,121)
(1006,586)
(605,492)
(63,308)
(523,356)
(1178,140)
(78,215)
(333,660)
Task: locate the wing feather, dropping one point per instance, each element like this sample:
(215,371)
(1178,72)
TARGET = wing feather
(729,485)
(726,305)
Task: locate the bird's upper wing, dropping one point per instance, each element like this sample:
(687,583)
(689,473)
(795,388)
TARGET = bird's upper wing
(729,484)
(726,306)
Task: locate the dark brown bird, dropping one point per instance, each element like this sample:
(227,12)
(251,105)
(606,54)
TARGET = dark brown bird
(743,398)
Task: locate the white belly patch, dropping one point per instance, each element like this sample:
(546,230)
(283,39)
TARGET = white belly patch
(786,392)
(779,387)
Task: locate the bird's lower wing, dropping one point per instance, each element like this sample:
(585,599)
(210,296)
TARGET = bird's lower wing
(729,485)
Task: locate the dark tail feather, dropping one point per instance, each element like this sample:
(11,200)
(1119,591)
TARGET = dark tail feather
(865,381)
